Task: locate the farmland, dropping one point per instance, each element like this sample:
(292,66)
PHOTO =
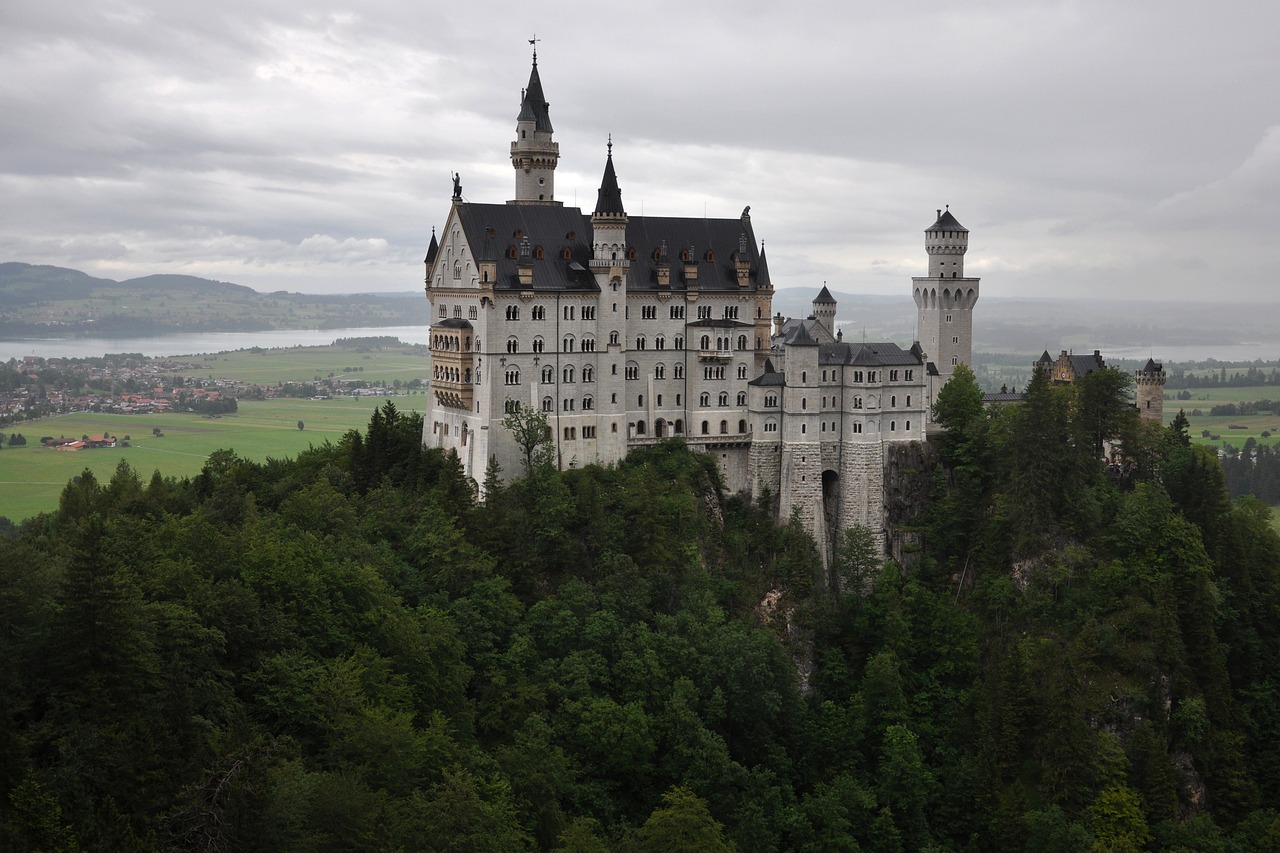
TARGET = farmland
(33,477)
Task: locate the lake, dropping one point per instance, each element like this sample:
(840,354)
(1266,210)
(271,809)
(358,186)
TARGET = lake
(202,342)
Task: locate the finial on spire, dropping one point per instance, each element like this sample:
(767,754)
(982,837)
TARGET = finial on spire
(534,41)
(611,145)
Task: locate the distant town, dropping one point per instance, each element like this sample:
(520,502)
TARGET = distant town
(34,387)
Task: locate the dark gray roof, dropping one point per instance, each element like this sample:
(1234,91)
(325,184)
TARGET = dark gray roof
(535,106)
(1004,397)
(433,249)
(946,222)
(1044,359)
(609,197)
(799,336)
(868,355)
(721,323)
(1152,366)
(1083,365)
(770,376)
(762,268)
(556,229)
(453,323)
(824,297)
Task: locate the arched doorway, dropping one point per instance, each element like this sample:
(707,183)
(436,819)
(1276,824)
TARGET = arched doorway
(659,428)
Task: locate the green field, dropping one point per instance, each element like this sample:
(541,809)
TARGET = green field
(304,364)
(32,477)
(1205,399)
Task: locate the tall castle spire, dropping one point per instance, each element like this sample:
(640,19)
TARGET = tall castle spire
(533,153)
(609,221)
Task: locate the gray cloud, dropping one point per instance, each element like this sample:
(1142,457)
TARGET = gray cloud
(1092,148)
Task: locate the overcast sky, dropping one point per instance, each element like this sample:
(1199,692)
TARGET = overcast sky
(1097,149)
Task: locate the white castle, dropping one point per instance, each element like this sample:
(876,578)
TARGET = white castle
(627,330)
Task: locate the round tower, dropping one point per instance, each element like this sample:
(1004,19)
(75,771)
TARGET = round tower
(1150,384)
(824,311)
(945,298)
(533,153)
(946,241)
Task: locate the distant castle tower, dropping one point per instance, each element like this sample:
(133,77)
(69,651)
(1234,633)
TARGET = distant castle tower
(945,298)
(533,154)
(824,311)
(1150,381)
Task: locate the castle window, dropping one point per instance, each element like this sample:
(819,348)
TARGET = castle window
(955,339)
(723,398)
(742,426)
(742,371)
(640,401)
(511,252)
(659,371)
(513,312)
(658,402)
(677,399)
(804,402)
(471,313)
(948,318)
(893,425)
(513,344)
(548,404)
(640,343)
(566,253)
(857,427)
(824,426)
(679,427)
(742,398)
(613,338)
(648,312)
(588,344)
(568,312)
(457,311)
(724,427)
(706,428)
(679,342)
(588,374)
(871,376)
(893,401)
(908,403)
(568,374)
(678,371)
(804,377)
(704,312)
(539,344)
(857,402)
(659,342)
(457,269)
(893,376)
(568,404)
(538,252)
(588,432)
(742,342)
(770,401)
(548,375)
(803,429)
(908,426)
(588,403)
(444,312)
(954,361)
(704,399)
(513,376)
(633,372)
(568,343)
(677,312)
(538,312)
(909,375)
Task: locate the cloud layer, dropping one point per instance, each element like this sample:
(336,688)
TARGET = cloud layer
(1093,149)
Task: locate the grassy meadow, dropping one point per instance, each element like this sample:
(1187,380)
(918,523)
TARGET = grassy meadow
(33,477)
(303,364)
(1204,399)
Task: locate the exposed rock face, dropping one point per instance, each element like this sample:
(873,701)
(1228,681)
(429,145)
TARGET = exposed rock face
(908,477)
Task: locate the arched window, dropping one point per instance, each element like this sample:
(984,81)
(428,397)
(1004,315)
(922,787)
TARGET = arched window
(538,344)
(706,428)
(679,342)
(723,399)
(704,399)
(568,343)
(706,342)
(457,269)
(513,345)
(548,404)
(613,338)
(742,342)
(568,374)
(678,370)
(679,427)
(588,403)
(742,398)
(640,343)
(724,427)
(548,375)
(588,344)
(513,312)
(639,427)
(659,342)
(659,371)
(742,426)
(742,371)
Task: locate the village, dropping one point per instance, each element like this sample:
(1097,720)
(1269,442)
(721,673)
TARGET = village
(131,384)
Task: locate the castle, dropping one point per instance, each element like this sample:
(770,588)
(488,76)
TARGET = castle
(626,330)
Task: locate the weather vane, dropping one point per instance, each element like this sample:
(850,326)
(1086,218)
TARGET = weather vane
(534,41)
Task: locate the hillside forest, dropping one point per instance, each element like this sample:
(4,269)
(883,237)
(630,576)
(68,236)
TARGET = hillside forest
(347,651)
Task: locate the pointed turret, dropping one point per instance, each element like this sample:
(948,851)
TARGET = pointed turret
(609,222)
(824,310)
(533,154)
(433,250)
(609,197)
(762,272)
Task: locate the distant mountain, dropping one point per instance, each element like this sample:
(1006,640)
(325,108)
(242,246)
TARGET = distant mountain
(39,301)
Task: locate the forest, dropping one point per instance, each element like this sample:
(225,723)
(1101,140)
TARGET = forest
(347,651)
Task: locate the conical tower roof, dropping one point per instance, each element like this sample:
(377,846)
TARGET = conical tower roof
(824,297)
(762,270)
(609,197)
(433,249)
(534,107)
(946,222)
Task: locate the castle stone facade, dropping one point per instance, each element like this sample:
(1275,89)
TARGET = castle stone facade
(626,330)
